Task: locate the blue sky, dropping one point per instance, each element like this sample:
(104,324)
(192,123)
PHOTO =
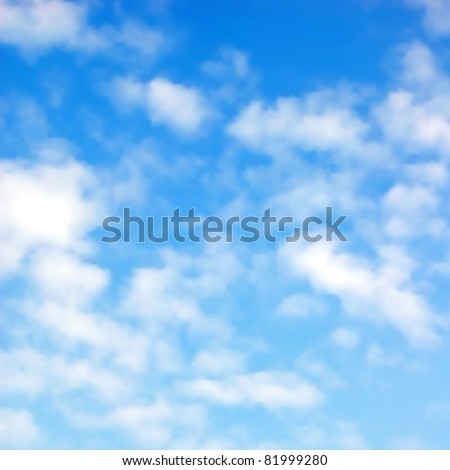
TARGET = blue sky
(228,107)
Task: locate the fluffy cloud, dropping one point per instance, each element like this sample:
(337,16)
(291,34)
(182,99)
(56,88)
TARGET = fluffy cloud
(173,294)
(437,15)
(271,390)
(218,362)
(412,211)
(156,425)
(45,205)
(358,283)
(35,26)
(28,372)
(175,105)
(62,277)
(414,118)
(106,344)
(414,125)
(313,124)
(418,66)
(181,108)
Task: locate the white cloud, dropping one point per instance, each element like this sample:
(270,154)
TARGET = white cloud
(156,425)
(220,362)
(175,105)
(411,211)
(154,293)
(70,326)
(418,66)
(179,107)
(62,277)
(25,371)
(414,125)
(35,26)
(434,174)
(271,390)
(414,117)
(63,289)
(126,91)
(38,24)
(45,205)
(173,294)
(137,37)
(120,355)
(437,15)
(18,429)
(317,123)
(359,283)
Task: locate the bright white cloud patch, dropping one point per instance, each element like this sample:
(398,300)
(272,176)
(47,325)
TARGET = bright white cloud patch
(415,117)
(311,125)
(414,125)
(45,205)
(359,284)
(175,105)
(269,389)
(181,108)
(38,24)
(27,372)
(35,26)
(412,211)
